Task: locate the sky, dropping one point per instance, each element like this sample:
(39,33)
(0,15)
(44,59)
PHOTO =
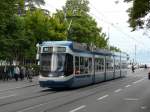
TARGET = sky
(112,17)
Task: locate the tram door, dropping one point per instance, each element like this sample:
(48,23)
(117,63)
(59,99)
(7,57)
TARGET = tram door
(117,67)
(83,70)
(99,68)
(109,64)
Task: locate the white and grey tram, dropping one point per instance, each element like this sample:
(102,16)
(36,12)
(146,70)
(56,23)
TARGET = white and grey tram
(66,64)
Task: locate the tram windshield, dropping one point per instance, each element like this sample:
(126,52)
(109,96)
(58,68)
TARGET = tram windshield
(56,64)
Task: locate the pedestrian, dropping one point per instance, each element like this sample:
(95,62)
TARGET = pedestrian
(133,68)
(5,73)
(10,74)
(29,74)
(16,72)
(22,72)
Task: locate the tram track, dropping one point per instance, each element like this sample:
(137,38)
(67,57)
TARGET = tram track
(70,102)
(27,98)
(16,88)
(38,96)
(83,93)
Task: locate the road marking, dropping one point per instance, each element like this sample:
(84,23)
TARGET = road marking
(30,108)
(79,108)
(127,86)
(138,81)
(131,99)
(103,97)
(7,96)
(118,90)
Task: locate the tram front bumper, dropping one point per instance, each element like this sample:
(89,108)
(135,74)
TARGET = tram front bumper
(56,84)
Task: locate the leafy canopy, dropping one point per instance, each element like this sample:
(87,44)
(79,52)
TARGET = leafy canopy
(137,12)
(81,26)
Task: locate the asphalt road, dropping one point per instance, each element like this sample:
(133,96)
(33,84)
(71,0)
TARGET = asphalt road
(130,94)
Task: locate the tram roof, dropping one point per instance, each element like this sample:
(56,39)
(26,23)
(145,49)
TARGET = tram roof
(53,43)
(79,47)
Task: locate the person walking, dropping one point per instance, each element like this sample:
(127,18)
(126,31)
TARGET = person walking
(16,72)
(29,74)
(133,68)
(5,73)
(22,72)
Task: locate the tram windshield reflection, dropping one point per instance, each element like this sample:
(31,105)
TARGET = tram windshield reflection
(56,64)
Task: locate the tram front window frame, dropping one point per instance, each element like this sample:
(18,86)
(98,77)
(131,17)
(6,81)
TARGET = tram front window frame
(56,64)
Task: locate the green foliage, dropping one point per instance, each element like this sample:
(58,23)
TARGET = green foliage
(37,26)
(76,7)
(35,2)
(15,40)
(115,49)
(7,10)
(20,31)
(139,10)
(83,27)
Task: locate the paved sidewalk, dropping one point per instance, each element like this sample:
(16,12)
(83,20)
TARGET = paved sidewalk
(12,84)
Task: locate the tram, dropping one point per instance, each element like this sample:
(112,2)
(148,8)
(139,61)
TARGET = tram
(67,64)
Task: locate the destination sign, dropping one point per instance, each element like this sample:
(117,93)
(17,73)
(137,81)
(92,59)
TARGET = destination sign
(47,49)
(61,49)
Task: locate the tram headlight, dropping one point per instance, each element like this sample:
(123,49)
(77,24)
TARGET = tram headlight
(62,76)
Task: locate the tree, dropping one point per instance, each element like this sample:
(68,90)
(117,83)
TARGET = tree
(19,34)
(7,9)
(115,49)
(35,2)
(81,26)
(77,7)
(40,27)
(16,40)
(137,12)
(31,4)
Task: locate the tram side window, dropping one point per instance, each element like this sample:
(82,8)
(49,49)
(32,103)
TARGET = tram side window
(86,65)
(123,64)
(81,65)
(90,65)
(117,65)
(77,69)
(68,65)
(96,65)
(109,64)
(101,64)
